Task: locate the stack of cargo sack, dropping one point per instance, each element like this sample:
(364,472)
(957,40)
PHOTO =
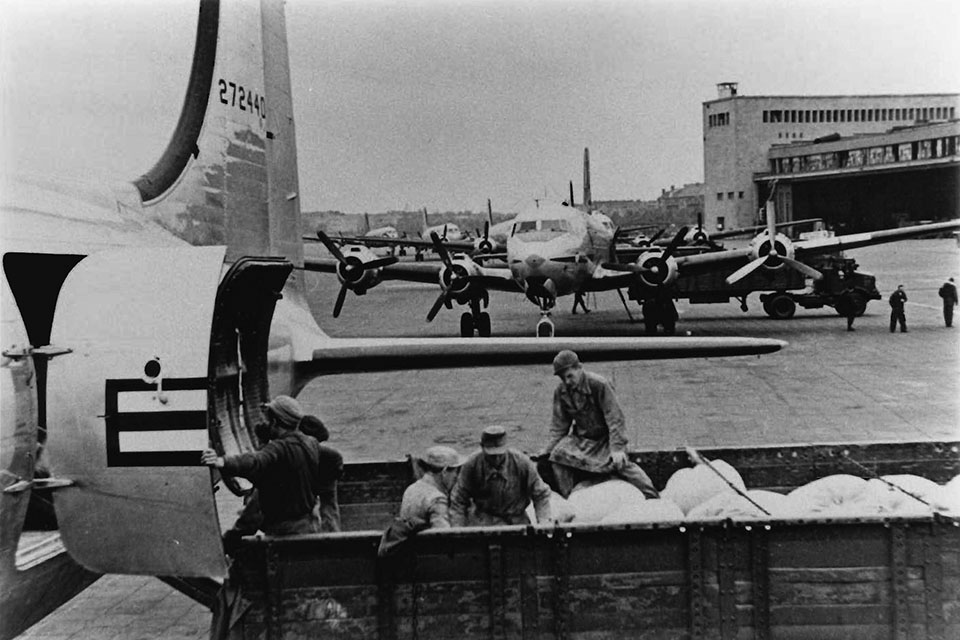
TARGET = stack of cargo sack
(699,494)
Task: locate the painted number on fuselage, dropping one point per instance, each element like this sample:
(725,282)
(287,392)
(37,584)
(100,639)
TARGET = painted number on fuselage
(240,97)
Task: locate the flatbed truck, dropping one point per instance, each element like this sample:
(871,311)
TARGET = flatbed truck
(783,289)
(896,577)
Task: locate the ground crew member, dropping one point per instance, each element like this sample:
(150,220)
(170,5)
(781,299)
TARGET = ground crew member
(425,503)
(331,469)
(846,305)
(587,436)
(949,294)
(285,472)
(897,299)
(428,497)
(579,301)
(498,483)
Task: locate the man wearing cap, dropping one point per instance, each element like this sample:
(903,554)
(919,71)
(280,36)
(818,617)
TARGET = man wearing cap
(498,483)
(285,472)
(428,497)
(588,433)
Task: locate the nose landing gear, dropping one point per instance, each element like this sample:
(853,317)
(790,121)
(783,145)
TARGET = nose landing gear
(545,328)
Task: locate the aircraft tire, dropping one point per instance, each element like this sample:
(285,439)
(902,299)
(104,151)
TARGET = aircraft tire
(780,307)
(483,325)
(466,325)
(545,329)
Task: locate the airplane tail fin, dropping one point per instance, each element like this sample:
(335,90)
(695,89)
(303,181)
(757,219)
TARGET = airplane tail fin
(229,174)
(587,198)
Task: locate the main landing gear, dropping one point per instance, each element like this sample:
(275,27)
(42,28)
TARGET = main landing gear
(475,320)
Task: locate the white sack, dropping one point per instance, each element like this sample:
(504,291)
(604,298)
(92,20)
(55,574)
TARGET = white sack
(593,501)
(733,505)
(646,512)
(560,509)
(692,486)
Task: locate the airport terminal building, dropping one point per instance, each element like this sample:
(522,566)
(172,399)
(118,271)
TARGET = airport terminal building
(859,162)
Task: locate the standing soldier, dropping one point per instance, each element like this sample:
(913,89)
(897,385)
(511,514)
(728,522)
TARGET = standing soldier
(897,299)
(949,294)
(847,305)
(587,437)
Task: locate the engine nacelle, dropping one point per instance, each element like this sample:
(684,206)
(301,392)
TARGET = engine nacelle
(455,278)
(782,246)
(351,272)
(660,271)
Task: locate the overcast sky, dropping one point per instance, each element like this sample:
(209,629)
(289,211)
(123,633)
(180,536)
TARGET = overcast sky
(444,104)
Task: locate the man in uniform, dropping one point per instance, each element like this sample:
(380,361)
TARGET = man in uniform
(897,299)
(587,436)
(949,294)
(497,484)
(285,472)
(427,499)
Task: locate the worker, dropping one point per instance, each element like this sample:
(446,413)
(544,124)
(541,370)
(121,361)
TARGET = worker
(425,503)
(496,484)
(588,432)
(847,305)
(331,469)
(285,472)
(897,300)
(579,301)
(949,294)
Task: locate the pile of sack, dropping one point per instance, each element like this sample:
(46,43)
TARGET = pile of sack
(699,494)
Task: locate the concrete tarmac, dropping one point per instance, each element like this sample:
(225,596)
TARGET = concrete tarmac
(827,386)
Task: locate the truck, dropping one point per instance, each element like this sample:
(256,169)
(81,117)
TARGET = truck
(784,289)
(855,577)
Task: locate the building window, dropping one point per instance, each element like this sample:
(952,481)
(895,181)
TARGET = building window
(766,115)
(806,116)
(924,151)
(729,195)
(905,152)
(719,196)
(740,195)
(953,111)
(720,222)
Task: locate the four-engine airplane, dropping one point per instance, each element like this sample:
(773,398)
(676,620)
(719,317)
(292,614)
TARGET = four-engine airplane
(558,250)
(144,320)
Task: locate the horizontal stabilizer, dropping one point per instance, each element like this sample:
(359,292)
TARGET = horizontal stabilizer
(392,354)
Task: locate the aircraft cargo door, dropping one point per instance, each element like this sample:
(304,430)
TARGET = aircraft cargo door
(128,412)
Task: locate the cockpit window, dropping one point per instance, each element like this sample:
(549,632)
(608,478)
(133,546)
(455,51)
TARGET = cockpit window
(540,230)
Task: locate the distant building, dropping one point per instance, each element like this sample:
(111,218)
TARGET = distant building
(682,206)
(740,134)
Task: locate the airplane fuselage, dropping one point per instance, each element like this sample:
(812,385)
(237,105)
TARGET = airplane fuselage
(554,250)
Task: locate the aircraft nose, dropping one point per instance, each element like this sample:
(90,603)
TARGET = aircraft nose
(534,261)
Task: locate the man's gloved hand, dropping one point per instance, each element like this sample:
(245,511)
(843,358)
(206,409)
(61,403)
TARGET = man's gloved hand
(231,540)
(619,459)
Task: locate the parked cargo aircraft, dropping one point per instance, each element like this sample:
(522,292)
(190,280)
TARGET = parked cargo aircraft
(142,321)
(557,250)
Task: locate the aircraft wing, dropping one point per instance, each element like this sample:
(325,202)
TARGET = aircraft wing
(491,278)
(362,355)
(870,238)
(372,241)
(706,261)
(757,229)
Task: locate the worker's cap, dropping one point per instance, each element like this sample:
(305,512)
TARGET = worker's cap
(494,440)
(564,360)
(313,426)
(441,457)
(285,409)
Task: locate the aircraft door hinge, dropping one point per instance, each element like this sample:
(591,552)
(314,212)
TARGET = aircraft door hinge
(48,351)
(39,483)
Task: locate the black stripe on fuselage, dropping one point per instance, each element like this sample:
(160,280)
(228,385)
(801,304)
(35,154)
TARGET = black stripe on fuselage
(132,422)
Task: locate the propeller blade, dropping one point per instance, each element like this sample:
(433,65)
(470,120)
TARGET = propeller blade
(803,268)
(699,221)
(440,249)
(486,230)
(745,270)
(677,240)
(381,262)
(657,235)
(331,246)
(338,305)
(439,302)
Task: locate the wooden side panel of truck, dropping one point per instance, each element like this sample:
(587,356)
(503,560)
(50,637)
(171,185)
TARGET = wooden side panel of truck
(851,578)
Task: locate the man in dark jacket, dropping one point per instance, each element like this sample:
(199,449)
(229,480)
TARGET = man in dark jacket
(285,472)
(897,299)
(588,435)
(949,294)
